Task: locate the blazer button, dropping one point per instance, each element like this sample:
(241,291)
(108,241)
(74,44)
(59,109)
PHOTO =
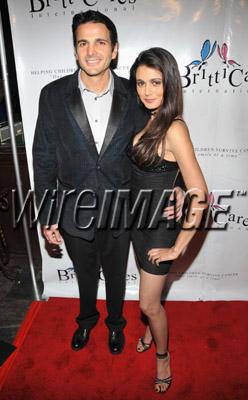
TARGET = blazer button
(98,167)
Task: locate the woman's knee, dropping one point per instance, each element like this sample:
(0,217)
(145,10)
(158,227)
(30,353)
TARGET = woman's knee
(150,309)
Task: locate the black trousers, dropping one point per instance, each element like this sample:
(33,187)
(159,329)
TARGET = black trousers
(111,253)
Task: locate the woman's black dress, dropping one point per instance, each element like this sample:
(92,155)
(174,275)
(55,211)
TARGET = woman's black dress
(155,179)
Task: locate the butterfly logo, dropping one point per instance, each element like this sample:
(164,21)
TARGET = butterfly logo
(214,206)
(206,53)
(223,53)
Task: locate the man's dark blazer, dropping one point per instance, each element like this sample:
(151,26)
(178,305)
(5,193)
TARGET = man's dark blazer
(65,156)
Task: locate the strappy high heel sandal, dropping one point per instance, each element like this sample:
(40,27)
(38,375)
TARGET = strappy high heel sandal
(144,346)
(166,381)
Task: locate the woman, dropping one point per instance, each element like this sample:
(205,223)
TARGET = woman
(158,153)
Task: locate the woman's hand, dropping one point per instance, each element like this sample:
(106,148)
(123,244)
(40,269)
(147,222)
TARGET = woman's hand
(155,256)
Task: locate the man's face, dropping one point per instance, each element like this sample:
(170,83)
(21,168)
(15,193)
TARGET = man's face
(94,50)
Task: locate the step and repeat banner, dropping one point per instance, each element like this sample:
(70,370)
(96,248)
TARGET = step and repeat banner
(209,40)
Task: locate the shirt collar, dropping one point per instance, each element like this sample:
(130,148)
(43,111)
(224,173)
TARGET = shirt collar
(108,89)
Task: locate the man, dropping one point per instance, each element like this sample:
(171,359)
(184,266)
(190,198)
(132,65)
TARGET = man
(84,125)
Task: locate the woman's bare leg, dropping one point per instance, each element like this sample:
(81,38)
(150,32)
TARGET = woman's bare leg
(151,287)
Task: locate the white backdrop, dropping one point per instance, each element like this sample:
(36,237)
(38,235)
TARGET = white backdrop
(209,40)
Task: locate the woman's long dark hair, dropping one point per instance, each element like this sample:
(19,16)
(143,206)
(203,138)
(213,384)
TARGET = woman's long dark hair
(146,150)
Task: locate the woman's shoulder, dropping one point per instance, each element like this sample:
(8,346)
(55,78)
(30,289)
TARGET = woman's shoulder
(178,138)
(178,122)
(178,129)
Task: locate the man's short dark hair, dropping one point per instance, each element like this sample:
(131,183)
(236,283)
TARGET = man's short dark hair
(94,16)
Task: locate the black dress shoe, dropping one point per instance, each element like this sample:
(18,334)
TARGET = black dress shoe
(116,341)
(80,338)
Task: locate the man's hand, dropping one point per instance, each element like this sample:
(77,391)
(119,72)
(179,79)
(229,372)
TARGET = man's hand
(52,234)
(171,212)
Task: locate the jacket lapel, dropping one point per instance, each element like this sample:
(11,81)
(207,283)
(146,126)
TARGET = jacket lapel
(76,106)
(119,105)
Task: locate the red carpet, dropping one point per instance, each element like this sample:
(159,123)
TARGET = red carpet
(208,345)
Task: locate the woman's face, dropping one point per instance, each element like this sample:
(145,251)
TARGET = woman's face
(149,86)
